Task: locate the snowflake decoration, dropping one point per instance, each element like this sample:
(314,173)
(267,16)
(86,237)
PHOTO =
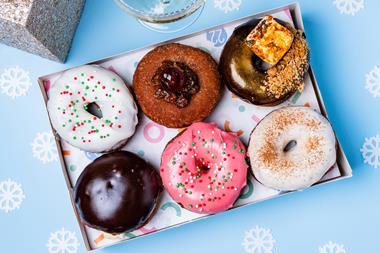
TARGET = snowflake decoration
(349,7)
(44,148)
(15,82)
(62,241)
(371,151)
(258,240)
(332,247)
(373,81)
(227,5)
(11,195)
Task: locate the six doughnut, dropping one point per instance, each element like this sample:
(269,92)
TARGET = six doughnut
(204,168)
(77,89)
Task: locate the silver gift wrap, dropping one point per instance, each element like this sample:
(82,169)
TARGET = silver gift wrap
(41,27)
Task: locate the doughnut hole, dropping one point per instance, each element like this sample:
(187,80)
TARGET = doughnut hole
(94,109)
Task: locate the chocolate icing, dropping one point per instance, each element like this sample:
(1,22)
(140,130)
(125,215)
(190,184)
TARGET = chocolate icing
(117,192)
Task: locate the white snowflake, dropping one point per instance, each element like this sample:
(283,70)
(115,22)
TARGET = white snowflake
(332,247)
(62,241)
(15,82)
(373,81)
(371,151)
(11,195)
(258,240)
(349,7)
(227,5)
(44,148)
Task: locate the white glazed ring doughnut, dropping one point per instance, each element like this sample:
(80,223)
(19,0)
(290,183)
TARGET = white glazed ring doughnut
(92,108)
(292,148)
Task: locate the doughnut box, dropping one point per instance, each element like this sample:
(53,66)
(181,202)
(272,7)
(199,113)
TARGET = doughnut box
(231,114)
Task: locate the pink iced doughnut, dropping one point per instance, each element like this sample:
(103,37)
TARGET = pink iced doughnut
(204,168)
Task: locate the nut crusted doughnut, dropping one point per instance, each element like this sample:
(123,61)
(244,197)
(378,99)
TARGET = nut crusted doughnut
(204,168)
(115,116)
(292,148)
(245,76)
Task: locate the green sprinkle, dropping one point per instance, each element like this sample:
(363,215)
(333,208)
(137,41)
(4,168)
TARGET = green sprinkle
(212,140)
(87,87)
(82,74)
(74,137)
(92,127)
(190,206)
(82,82)
(67,86)
(114,79)
(241,150)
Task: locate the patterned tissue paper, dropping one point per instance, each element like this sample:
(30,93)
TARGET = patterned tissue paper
(41,27)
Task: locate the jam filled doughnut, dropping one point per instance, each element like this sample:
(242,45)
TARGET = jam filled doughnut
(204,168)
(265,62)
(292,148)
(176,85)
(117,193)
(92,109)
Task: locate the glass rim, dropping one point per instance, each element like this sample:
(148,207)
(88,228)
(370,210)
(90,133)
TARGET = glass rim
(161,18)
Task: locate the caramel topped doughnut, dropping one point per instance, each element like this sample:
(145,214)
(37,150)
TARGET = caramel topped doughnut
(292,148)
(257,82)
(117,192)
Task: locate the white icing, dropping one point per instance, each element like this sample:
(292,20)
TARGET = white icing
(88,84)
(308,165)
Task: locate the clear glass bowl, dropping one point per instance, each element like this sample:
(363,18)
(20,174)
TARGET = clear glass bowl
(160,11)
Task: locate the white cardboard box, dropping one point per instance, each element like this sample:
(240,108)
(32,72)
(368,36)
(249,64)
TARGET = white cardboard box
(151,138)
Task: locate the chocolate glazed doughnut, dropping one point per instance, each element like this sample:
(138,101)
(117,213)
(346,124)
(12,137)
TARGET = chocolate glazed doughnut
(257,82)
(117,193)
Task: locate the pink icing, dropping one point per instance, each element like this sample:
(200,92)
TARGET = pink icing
(204,168)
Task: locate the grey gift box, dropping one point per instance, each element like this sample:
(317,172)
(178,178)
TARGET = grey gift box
(41,27)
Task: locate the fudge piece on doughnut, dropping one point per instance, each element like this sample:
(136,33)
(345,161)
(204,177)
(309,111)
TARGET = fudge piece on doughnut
(92,109)
(292,148)
(270,40)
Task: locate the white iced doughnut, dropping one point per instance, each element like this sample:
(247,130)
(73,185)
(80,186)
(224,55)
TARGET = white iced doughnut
(292,148)
(92,108)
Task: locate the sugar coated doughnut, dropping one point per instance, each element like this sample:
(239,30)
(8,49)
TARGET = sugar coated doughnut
(204,168)
(118,192)
(176,85)
(92,109)
(292,148)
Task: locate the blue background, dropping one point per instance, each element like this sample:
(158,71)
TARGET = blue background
(344,48)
